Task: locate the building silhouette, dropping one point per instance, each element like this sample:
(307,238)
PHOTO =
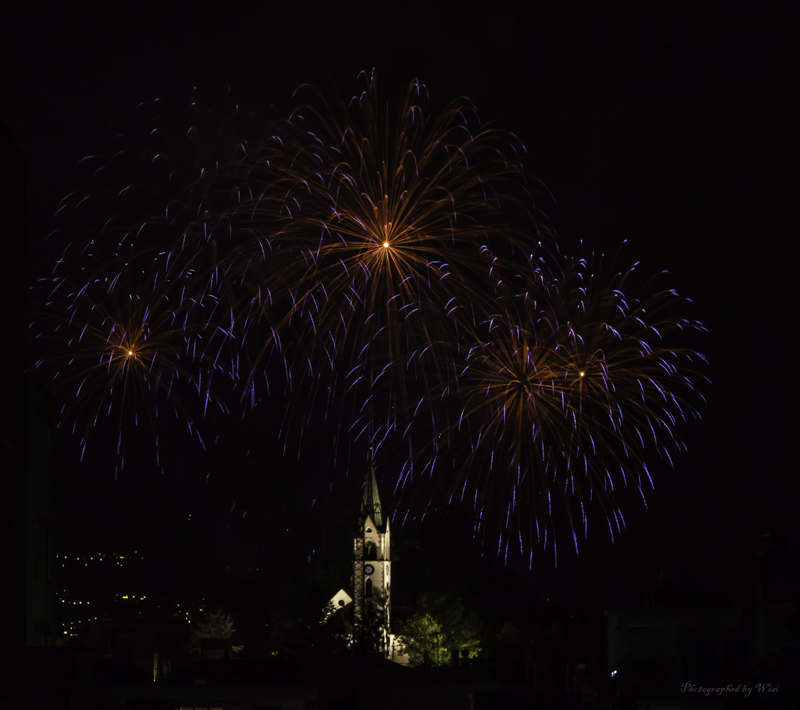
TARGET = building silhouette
(27,416)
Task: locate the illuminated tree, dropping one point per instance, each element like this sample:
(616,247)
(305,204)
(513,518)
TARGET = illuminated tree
(441,632)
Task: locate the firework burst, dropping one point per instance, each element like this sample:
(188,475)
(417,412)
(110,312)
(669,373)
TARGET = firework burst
(386,218)
(129,350)
(390,259)
(140,312)
(564,394)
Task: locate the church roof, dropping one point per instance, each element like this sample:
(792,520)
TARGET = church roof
(371,500)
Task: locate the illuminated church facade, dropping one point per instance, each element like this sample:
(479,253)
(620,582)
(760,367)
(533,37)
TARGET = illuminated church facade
(366,615)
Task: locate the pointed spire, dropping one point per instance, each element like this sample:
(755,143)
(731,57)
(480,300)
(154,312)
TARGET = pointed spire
(371,500)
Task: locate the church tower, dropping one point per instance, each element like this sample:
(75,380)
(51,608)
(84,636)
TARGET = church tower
(372,565)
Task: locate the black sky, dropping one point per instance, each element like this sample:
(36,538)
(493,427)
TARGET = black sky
(671,125)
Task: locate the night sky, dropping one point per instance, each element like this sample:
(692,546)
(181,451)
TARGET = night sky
(672,126)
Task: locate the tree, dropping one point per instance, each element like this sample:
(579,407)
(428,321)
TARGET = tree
(212,625)
(441,631)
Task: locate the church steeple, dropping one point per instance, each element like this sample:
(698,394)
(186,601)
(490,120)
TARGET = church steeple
(367,614)
(371,501)
(372,571)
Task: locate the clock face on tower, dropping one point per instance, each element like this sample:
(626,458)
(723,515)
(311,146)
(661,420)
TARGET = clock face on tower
(368,569)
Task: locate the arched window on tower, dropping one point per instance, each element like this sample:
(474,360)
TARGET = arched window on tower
(368,589)
(370,550)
